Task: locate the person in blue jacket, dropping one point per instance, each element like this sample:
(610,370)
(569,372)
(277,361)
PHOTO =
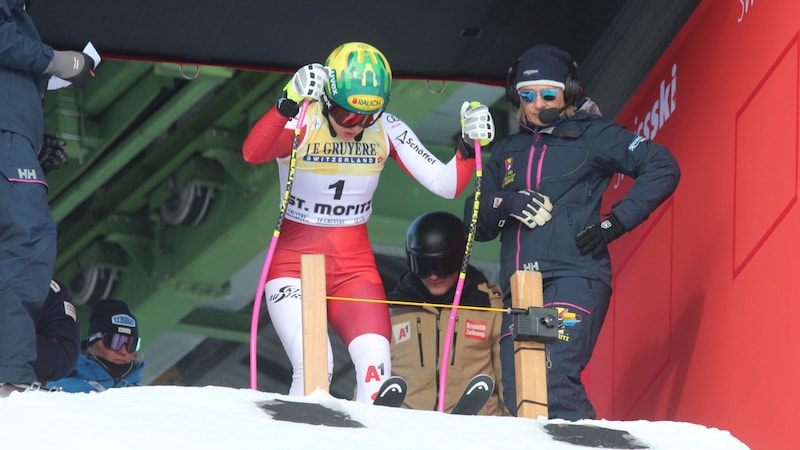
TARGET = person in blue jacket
(58,337)
(110,359)
(542,191)
(27,229)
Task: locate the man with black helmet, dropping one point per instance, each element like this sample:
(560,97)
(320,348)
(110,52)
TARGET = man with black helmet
(434,248)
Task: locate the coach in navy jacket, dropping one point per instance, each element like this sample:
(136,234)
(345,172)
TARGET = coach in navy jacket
(27,228)
(542,193)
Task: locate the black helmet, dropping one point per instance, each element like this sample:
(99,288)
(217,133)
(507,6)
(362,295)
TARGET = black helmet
(435,243)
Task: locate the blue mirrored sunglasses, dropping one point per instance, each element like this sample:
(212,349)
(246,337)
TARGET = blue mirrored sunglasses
(548,95)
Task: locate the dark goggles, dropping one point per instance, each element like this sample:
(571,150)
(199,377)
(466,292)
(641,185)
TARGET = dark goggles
(349,119)
(116,341)
(442,266)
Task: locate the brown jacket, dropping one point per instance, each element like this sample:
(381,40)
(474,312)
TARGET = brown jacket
(418,341)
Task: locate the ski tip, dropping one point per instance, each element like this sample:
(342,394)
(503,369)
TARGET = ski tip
(480,386)
(483,376)
(475,395)
(390,388)
(391,393)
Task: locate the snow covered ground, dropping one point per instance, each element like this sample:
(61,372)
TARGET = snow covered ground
(173,417)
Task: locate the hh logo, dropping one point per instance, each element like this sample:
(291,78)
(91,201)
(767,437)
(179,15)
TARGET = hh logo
(26,174)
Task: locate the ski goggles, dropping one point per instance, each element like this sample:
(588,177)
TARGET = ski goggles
(442,266)
(548,95)
(116,342)
(349,119)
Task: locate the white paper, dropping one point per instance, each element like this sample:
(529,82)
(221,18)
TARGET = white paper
(58,83)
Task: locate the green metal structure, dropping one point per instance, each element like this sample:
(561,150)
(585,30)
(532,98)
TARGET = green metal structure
(157,207)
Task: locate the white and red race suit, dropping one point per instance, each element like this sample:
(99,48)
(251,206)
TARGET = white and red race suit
(327,212)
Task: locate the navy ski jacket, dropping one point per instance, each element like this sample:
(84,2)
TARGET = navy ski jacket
(23,58)
(572,162)
(58,337)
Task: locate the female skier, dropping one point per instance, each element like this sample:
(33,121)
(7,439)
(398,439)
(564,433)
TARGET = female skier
(344,142)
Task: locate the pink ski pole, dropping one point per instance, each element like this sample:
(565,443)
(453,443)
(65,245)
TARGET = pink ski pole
(271,251)
(448,340)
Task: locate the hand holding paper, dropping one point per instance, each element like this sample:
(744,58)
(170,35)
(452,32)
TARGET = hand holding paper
(72,68)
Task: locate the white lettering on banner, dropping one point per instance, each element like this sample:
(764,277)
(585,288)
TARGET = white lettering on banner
(745,4)
(339,160)
(661,110)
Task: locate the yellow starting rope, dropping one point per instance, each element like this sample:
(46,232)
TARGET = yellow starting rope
(436,305)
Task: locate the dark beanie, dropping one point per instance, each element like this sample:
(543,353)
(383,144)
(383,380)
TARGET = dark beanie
(111,316)
(543,65)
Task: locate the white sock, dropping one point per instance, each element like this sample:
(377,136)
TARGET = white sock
(372,360)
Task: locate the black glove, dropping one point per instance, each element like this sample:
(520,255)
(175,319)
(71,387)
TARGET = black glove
(595,239)
(464,149)
(52,155)
(287,107)
(529,207)
(75,67)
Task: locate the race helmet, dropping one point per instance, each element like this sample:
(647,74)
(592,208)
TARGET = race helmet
(360,79)
(435,244)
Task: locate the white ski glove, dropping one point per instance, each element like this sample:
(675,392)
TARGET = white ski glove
(476,123)
(535,212)
(308,82)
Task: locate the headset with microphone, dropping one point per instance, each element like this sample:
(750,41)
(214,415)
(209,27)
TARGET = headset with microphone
(572,90)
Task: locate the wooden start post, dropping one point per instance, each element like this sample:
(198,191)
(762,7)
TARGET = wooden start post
(529,355)
(315,323)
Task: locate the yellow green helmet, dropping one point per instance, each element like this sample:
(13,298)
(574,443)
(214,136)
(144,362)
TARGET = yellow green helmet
(360,78)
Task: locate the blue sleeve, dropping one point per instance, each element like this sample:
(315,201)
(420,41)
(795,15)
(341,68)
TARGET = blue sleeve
(57,336)
(654,168)
(21,48)
(71,384)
